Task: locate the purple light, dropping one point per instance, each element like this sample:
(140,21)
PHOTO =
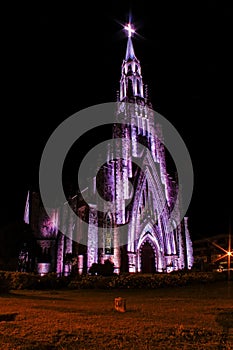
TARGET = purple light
(43,268)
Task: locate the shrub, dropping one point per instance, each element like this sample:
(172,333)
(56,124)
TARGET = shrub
(25,280)
(106,269)
(4,283)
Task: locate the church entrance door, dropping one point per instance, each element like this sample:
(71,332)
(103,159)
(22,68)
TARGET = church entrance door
(147,258)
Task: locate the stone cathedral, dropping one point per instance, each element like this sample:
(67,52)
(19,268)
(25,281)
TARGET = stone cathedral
(139,236)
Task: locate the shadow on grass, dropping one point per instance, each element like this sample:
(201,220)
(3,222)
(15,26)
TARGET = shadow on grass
(15,295)
(8,317)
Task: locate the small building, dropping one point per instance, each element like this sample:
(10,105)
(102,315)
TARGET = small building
(211,252)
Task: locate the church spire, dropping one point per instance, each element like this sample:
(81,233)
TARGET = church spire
(131,85)
(130,55)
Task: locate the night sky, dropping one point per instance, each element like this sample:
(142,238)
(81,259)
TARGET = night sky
(61,59)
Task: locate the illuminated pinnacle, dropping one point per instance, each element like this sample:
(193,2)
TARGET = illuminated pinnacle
(130,30)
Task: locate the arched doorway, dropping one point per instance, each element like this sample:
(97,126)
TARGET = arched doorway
(147,258)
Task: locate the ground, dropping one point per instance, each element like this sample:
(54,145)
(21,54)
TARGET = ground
(191,317)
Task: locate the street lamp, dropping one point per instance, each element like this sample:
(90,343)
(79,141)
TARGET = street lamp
(228,254)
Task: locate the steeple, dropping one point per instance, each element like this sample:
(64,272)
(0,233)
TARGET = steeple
(130,50)
(131,85)
(130,55)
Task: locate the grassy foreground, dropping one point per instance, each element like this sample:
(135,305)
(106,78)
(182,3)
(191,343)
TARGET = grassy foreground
(191,317)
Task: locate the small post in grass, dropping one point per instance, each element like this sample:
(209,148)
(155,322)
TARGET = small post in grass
(120,304)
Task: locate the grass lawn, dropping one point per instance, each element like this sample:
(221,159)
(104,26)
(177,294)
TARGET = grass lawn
(191,317)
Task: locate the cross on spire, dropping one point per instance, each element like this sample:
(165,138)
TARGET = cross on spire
(129,29)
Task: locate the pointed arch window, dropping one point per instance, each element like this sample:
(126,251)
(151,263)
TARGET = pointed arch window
(143,198)
(138,87)
(108,239)
(175,237)
(130,88)
(123,89)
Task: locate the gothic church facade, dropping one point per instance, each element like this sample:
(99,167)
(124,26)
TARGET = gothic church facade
(151,242)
